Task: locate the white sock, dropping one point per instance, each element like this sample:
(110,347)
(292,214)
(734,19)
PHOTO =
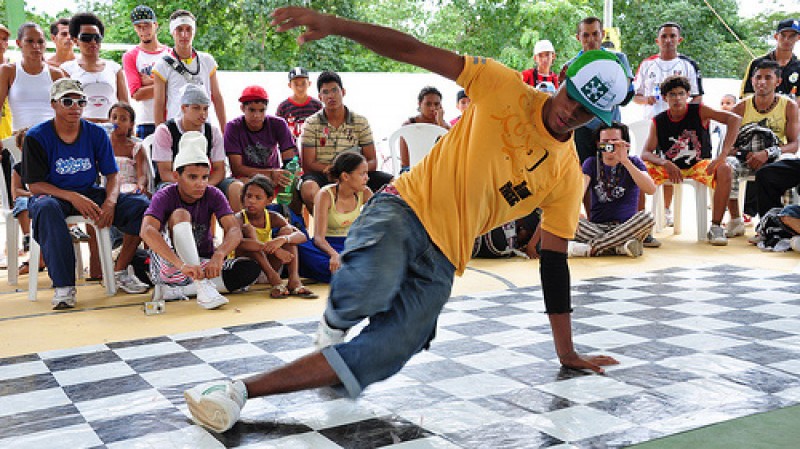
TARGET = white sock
(185,246)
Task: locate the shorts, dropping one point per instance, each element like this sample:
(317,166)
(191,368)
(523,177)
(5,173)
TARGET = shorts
(697,172)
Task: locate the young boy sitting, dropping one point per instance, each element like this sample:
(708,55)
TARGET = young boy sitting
(258,244)
(191,263)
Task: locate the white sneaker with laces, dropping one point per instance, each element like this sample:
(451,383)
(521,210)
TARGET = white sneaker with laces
(163,292)
(631,248)
(735,228)
(216,405)
(207,295)
(327,336)
(716,236)
(64,298)
(129,283)
(577,249)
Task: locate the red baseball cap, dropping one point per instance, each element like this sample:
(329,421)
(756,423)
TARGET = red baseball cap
(253,93)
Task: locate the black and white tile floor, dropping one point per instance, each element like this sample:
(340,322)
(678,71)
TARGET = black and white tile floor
(697,346)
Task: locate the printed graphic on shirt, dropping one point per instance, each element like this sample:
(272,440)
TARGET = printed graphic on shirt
(258,155)
(72,165)
(686,146)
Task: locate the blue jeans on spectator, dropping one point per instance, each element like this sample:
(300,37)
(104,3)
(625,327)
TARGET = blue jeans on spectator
(145,130)
(50,230)
(393,274)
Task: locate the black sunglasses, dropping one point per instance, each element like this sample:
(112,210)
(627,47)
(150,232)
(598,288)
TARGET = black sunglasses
(68,102)
(88,37)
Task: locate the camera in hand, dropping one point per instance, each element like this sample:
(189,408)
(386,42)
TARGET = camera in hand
(607,147)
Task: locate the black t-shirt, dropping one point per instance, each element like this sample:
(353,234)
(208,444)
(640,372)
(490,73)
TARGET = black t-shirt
(790,76)
(686,141)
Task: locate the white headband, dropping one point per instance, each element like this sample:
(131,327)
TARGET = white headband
(182,20)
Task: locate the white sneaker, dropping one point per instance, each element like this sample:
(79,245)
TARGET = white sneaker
(327,336)
(163,292)
(631,248)
(668,217)
(716,236)
(129,283)
(735,228)
(795,243)
(216,405)
(64,298)
(577,249)
(207,295)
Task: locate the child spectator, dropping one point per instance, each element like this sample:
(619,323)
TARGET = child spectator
(272,254)
(127,150)
(336,207)
(462,103)
(297,108)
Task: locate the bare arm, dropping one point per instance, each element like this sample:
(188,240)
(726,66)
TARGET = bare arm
(321,205)
(240,170)
(650,146)
(383,41)
(6,71)
(219,103)
(159,101)
(369,154)
(310,160)
(217,173)
(84,205)
(122,87)
(731,120)
(792,128)
(151,236)
(165,171)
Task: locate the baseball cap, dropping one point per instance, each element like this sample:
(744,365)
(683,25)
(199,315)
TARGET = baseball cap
(194,94)
(547,87)
(143,14)
(253,93)
(64,86)
(298,72)
(461,94)
(788,24)
(191,150)
(597,80)
(3,29)
(542,46)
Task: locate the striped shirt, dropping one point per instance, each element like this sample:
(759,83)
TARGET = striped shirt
(354,134)
(295,114)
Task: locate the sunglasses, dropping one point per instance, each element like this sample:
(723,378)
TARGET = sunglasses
(88,37)
(68,102)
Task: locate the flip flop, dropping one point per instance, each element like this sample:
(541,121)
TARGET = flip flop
(279,292)
(303,292)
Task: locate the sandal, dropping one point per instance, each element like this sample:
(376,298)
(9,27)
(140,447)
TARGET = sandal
(279,292)
(25,268)
(303,292)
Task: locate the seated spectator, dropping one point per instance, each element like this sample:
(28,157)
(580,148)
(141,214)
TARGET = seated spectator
(331,131)
(62,178)
(515,238)
(429,105)
(462,103)
(335,208)
(272,254)
(256,143)
(681,138)
(614,180)
(299,106)
(193,117)
(128,153)
(102,79)
(186,262)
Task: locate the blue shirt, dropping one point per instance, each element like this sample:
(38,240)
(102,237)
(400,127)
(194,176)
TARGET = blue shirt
(68,166)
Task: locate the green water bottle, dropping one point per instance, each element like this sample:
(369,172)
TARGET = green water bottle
(285,196)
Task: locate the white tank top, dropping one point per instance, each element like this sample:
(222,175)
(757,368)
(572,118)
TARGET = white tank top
(29,98)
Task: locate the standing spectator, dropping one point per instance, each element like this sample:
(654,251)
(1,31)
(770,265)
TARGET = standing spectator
(614,179)
(429,105)
(102,79)
(256,143)
(331,131)
(62,178)
(543,55)
(462,103)
(138,65)
(298,107)
(680,137)
(786,35)
(193,117)
(59,34)
(26,83)
(184,65)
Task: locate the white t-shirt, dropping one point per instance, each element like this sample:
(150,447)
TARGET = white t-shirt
(654,70)
(100,87)
(137,62)
(199,71)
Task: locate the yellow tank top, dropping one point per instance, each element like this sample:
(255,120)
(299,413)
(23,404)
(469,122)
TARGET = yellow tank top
(339,222)
(263,235)
(775,118)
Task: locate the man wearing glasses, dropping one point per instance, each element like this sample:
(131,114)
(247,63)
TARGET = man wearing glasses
(61,160)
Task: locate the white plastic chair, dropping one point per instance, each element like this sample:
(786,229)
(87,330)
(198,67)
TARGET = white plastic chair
(12,234)
(701,207)
(638,131)
(147,148)
(419,137)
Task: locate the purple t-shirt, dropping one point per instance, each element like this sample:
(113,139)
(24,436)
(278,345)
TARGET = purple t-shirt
(616,198)
(166,200)
(260,149)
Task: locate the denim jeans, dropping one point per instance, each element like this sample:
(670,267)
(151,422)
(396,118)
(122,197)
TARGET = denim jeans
(393,274)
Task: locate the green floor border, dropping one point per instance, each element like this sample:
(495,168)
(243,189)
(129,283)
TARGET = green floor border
(777,429)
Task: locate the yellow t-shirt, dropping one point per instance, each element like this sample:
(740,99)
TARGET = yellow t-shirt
(498,163)
(775,118)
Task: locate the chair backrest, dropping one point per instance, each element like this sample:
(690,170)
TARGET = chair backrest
(419,137)
(10,143)
(5,195)
(639,131)
(147,148)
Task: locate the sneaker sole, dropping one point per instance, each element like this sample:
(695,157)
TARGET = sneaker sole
(63,306)
(725,243)
(208,414)
(213,304)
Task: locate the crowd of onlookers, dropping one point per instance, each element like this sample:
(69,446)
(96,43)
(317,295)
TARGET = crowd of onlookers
(223,205)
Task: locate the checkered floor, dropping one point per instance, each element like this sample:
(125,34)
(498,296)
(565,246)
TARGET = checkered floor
(696,345)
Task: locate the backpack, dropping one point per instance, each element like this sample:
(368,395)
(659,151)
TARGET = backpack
(498,243)
(771,228)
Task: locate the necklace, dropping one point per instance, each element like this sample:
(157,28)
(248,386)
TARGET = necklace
(768,108)
(193,56)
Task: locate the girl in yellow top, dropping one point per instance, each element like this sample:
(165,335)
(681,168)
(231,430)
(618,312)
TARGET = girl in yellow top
(272,254)
(336,207)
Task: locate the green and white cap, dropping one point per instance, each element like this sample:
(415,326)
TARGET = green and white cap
(597,80)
